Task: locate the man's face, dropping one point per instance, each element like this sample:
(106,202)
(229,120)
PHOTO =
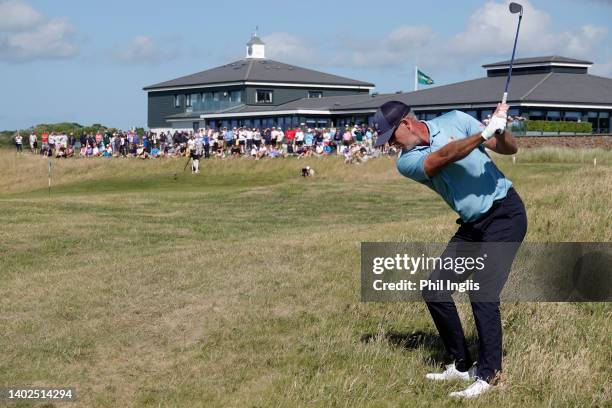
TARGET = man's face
(405,136)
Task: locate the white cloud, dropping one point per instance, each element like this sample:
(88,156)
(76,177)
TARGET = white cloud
(585,41)
(288,47)
(491,30)
(26,35)
(144,50)
(489,35)
(403,44)
(602,69)
(15,15)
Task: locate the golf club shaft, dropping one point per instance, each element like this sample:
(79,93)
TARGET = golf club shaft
(505,97)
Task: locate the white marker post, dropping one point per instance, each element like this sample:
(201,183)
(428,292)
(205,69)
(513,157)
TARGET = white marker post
(513,159)
(595,162)
(49,178)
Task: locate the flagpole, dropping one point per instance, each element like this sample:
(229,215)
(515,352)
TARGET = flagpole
(416,78)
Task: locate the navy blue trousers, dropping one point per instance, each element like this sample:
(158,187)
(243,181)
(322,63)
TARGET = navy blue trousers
(505,222)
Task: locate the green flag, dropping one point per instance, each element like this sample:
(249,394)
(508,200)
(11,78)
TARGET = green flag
(424,79)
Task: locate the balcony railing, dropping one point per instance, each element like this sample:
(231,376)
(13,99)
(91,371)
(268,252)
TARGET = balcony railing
(211,106)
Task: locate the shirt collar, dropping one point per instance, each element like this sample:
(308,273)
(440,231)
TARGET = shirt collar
(433,131)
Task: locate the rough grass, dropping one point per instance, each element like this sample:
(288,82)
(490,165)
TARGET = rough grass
(564,155)
(141,285)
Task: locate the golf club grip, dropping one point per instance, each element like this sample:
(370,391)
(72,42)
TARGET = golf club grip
(504,99)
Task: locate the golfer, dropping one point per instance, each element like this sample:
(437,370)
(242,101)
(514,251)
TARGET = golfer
(447,154)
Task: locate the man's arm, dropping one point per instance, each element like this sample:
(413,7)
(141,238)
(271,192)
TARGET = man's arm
(450,153)
(502,144)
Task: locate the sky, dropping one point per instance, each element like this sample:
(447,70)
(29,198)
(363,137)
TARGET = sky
(87,61)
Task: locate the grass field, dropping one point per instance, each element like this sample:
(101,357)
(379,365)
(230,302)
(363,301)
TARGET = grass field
(141,285)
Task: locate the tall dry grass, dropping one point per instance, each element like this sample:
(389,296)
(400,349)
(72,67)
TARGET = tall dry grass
(240,287)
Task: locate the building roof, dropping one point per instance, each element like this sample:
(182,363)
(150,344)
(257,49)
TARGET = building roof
(262,70)
(550,88)
(550,59)
(255,40)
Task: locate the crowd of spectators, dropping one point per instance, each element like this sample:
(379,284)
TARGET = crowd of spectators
(355,143)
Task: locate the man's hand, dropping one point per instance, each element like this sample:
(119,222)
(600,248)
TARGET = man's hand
(497,123)
(503,142)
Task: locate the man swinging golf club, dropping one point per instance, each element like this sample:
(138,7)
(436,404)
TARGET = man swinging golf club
(447,154)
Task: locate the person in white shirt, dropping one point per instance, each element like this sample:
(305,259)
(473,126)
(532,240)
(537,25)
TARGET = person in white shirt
(52,142)
(191,143)
(33,143)
(280,136)
(256,137)
(299,137)
(249,138)
(242,139)
(19,143)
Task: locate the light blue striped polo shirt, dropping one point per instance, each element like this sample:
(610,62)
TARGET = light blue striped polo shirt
(470,185)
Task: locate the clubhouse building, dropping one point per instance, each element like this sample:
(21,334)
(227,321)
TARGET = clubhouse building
(259,92)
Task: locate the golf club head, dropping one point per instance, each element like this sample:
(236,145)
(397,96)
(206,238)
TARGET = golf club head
(515,8)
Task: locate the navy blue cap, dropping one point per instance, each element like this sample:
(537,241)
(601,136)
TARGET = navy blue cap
(387,118)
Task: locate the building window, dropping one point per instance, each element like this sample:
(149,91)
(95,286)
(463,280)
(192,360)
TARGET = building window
(315,94)
(236,96)
(188,100)
(177,101)
(554,116)
(263,96)
(572,116)
(604,122)
(485,114)
(536,115)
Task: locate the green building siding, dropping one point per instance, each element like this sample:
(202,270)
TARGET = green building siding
(160,106)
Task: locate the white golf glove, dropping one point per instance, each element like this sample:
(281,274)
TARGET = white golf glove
(498,122)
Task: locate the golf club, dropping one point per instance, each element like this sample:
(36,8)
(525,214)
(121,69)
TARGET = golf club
(514,9)
(186,164)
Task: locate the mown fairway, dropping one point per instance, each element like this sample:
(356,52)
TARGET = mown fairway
(141,285)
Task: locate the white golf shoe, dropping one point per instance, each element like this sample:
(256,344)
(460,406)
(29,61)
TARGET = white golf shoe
(451,373)
(477,388)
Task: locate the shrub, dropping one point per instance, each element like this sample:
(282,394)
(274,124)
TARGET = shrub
(552,126)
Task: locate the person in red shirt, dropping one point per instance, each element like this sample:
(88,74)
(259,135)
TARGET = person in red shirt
(290,135)
(44,139)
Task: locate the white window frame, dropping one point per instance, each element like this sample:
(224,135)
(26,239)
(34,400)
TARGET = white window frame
(271,93)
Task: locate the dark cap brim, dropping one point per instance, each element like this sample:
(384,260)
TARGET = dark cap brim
(384,138)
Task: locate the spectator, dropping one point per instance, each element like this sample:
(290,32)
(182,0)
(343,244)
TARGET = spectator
(33,143)
(19,143)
